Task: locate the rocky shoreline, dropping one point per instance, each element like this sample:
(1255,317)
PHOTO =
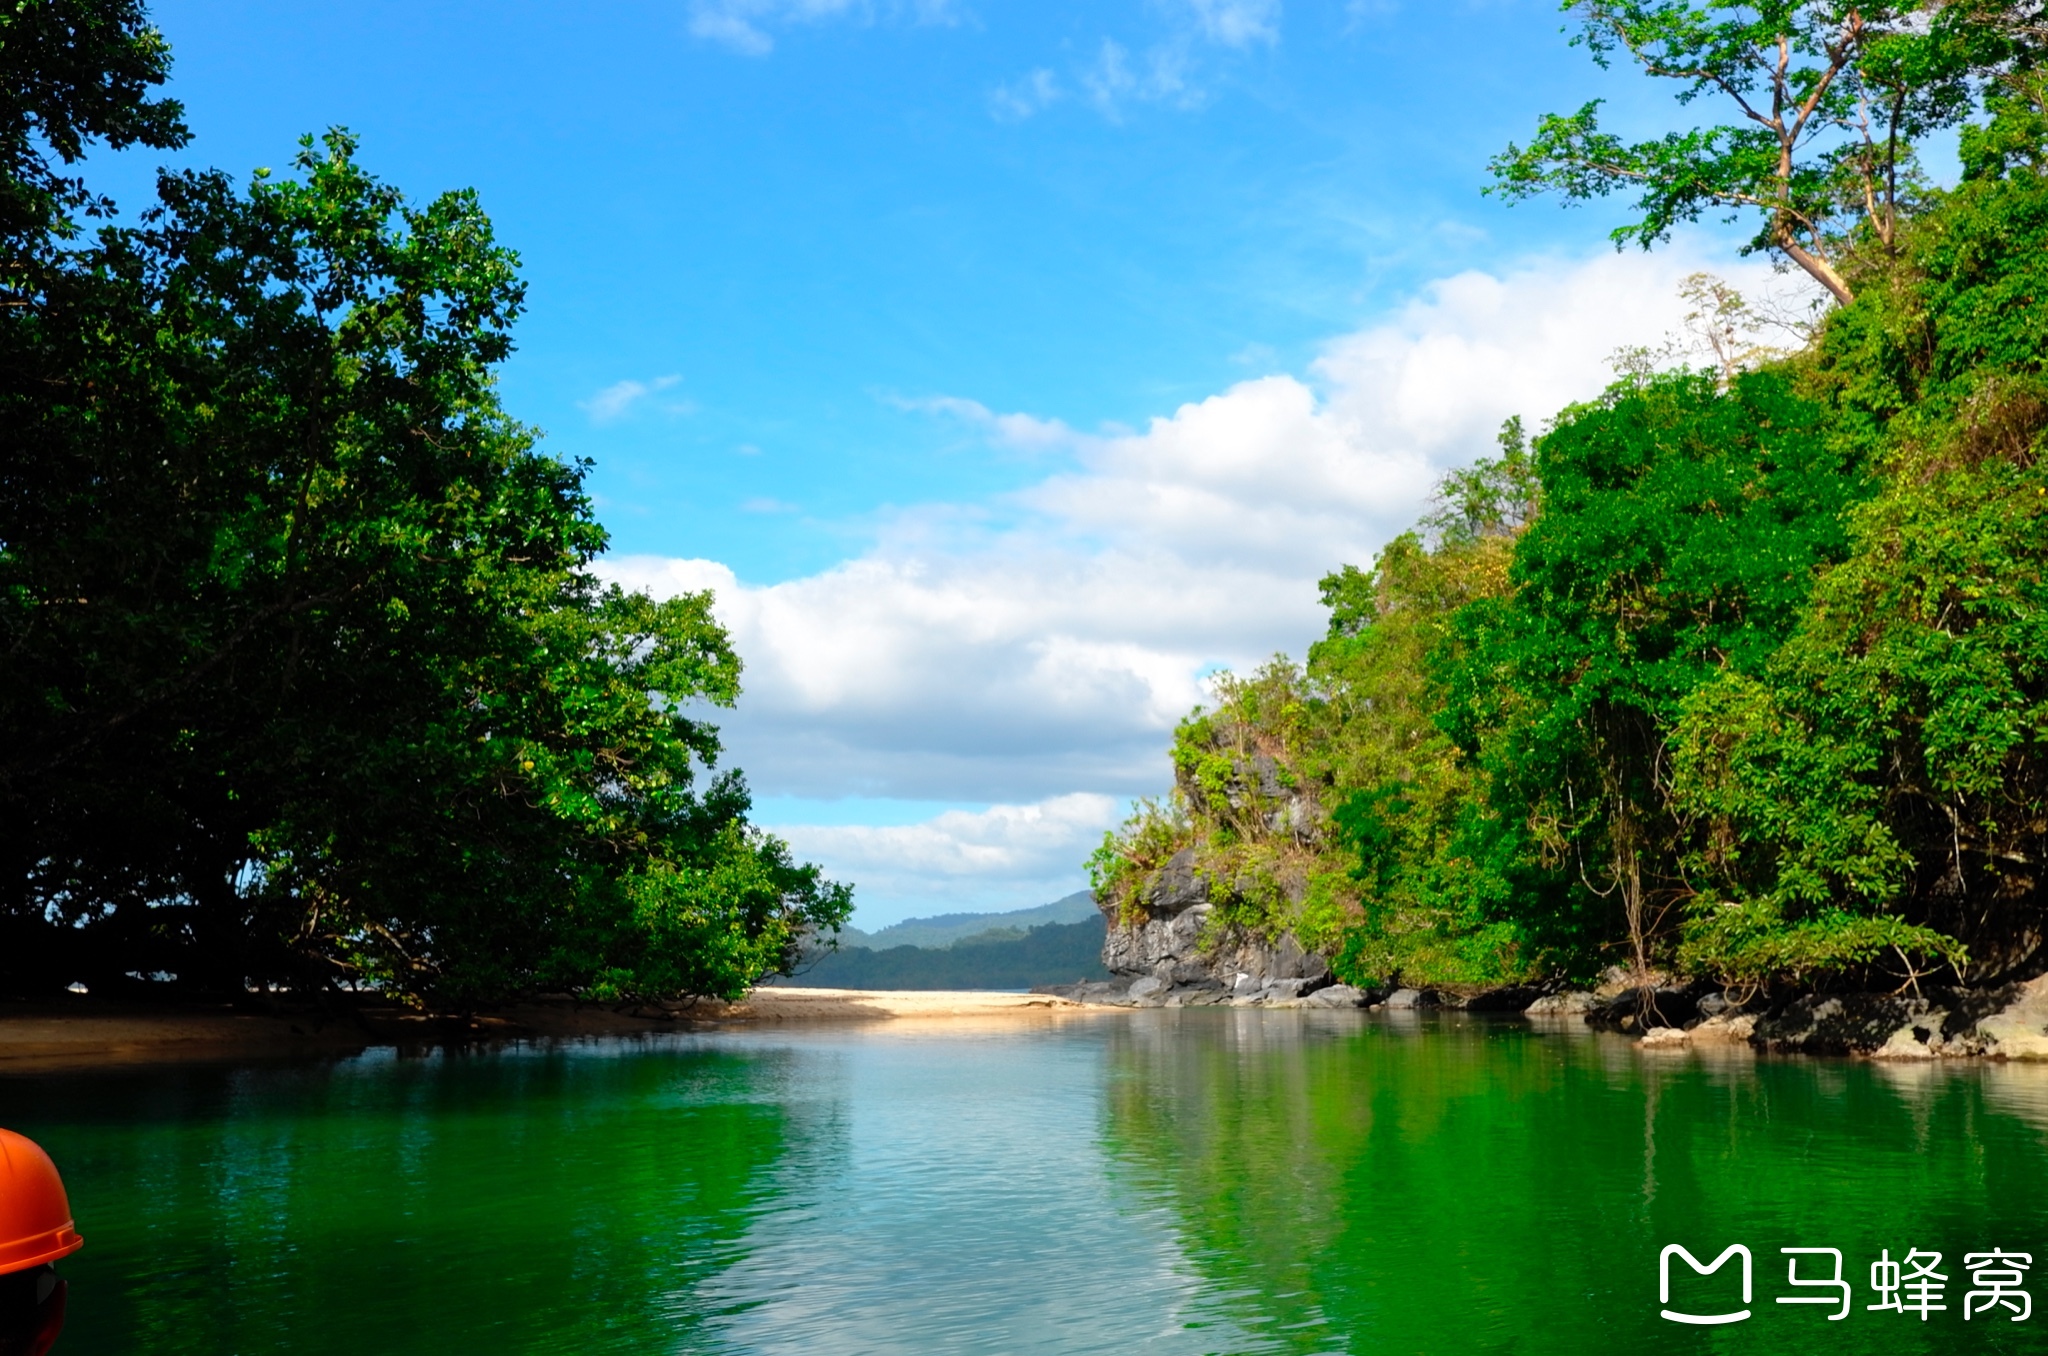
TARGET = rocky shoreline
(1169,951)
(2010,1022)
(2006,1022)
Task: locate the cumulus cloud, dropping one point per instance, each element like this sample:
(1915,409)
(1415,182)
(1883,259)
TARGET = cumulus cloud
(1006,856)
(1040,646)
(989,671)
(621,398)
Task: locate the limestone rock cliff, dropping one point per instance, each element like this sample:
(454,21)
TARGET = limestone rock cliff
(1159,954)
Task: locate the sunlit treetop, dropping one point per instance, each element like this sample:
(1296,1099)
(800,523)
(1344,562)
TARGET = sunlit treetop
(1826,106)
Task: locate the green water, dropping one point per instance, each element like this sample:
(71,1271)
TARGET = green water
(1199,1181)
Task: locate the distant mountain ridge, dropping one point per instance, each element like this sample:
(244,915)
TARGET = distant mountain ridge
(947,928)
(1056,943)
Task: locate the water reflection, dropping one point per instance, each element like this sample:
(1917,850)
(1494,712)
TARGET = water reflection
(1351,1184)
(965,1208)
(538,1201)
(1161,1182)
(2018,1090)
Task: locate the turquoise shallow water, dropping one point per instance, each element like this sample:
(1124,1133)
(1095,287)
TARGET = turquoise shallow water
(1155,1182)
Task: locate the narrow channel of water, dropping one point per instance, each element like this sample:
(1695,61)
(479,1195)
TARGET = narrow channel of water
(1158,1182)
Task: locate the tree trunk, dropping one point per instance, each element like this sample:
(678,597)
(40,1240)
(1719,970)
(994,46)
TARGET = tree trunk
(1816,267)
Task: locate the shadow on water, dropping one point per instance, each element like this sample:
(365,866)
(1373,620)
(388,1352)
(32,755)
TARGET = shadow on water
(1359,1184)
(531,1200)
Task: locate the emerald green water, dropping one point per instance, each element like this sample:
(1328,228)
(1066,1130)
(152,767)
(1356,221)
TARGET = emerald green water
(1192,1181)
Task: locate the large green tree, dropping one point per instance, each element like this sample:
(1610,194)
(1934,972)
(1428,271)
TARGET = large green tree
(308,679)
(1827,102)
(1443,882)
(72,73)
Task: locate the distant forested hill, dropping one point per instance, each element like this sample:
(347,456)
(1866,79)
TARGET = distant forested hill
(1054,953)
(947,928)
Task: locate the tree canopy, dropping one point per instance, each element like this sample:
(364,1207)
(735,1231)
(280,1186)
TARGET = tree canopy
(309,680)
(1738,672)
(1828,103)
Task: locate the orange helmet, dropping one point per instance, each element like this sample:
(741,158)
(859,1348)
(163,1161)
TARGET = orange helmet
(35,1217)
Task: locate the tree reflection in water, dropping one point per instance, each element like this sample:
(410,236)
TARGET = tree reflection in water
(1348,1183)
(513,1202)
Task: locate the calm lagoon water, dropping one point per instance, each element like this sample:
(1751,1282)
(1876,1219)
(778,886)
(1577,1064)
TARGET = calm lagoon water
(1155,1182)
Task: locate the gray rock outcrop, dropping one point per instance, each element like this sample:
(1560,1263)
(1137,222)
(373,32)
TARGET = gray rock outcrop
(1633,1010)
(1723,1029)
(1157,950)
(1574,1003)
(2007,1022)
(2010,1022)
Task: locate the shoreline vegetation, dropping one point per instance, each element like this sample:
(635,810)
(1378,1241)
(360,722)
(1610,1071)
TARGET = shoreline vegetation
(1731,680)
(2009,1024)
(310,680)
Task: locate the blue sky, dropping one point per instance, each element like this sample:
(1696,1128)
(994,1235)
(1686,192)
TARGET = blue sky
(1006,367)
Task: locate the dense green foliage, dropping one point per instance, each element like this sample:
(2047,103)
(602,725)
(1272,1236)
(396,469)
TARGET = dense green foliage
(999,958)
(1741,673)
(1680,530)
(1889,761)
(307,677)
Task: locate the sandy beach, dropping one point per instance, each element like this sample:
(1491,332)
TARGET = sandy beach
(87,1033)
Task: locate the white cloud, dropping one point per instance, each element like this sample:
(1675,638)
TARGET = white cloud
(1030,93)
(729,29)
(1159,76)
(1238,23)
(1005,856)
(970,674)
(1042,645)
(620,398)
(745,25)
(1024,432)
(1164,72)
